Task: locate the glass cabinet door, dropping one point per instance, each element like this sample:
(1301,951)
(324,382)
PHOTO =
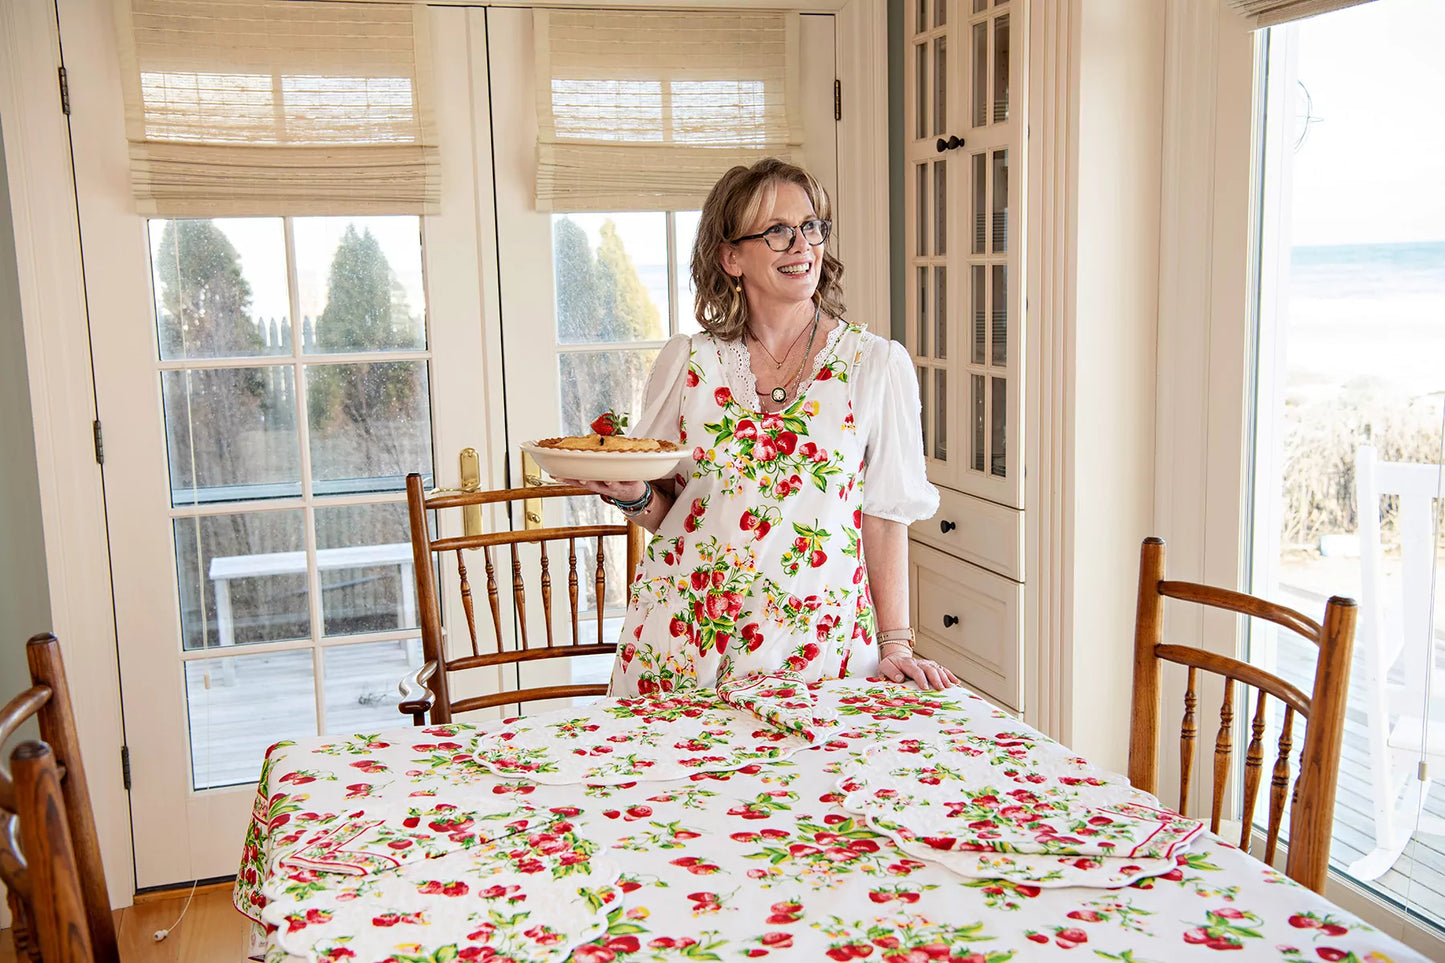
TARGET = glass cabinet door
(965,131)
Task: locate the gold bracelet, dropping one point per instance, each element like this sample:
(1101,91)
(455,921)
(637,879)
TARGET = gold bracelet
(904,635)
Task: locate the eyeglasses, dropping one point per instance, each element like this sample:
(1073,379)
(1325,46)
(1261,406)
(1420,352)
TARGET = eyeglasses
(780,237)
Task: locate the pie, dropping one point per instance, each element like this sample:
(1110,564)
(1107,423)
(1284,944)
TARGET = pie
(596,442)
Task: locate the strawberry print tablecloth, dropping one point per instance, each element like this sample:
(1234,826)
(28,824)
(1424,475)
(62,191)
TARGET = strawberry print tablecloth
(402,846)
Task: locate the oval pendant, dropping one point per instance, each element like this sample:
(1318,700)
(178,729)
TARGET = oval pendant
(779,395)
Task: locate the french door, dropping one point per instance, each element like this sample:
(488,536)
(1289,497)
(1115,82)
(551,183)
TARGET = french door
(569,357)
(264,385)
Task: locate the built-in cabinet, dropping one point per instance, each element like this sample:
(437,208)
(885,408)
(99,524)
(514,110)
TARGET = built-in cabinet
(964,150)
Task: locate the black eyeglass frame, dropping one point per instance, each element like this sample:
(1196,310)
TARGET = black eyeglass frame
(825,228)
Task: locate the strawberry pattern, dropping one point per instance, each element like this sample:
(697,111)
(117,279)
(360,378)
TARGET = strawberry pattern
(759,567)
(763,861)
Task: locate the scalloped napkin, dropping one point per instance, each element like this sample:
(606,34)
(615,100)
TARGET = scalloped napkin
(1010,807)
(534,900)
(783,702)
(378,838)
(627,740)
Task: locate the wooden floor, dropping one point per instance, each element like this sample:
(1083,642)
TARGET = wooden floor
(212,931)
(1417,880)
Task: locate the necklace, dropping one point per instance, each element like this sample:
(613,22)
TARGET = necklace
(780,393)
(786,354)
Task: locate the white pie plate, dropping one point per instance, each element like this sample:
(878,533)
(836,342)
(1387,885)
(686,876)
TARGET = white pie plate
(605,465)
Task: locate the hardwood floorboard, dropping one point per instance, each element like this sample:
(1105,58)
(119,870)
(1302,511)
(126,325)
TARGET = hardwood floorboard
(212,931)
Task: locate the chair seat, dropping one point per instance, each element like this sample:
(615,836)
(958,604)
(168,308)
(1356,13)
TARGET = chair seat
(1405,738)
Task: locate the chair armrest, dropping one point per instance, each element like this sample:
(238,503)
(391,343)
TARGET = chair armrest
(416,698)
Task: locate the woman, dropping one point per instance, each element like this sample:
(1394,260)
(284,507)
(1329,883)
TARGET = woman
(758,563)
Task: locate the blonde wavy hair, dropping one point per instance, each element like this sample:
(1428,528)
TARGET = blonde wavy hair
(732,207)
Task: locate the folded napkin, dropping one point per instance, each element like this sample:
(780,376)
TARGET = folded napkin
(1016,807)
(534,896)
(627,740)
(784,703)
(382,837)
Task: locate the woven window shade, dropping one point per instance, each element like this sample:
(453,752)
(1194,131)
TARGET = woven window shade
(248,107)
(1267,13)
(646,110)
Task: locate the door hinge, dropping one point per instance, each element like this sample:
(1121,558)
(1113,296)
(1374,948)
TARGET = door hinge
(125,765)
(837,99)
(99,442)
(64,94)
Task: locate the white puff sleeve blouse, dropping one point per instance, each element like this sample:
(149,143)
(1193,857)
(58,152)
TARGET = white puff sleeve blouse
(886,409)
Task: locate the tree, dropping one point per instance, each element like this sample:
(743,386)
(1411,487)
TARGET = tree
(205,300)
(365,413)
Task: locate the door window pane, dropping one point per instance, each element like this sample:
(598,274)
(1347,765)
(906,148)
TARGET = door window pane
(367,582)
(926,410)
(980,423)
(220,287)
(920,90)
(999,335)
(940,207)
(940,414)
(940,86)
(231,434)
(980,74)
(923,311)
(1000,70)
(685,230)
(370,425)
(940,287)
(594,381)
(980,203)
(238,706)
(359,284)
(611,275)
(242,578)
(360,684)
(980,314)
(1000,201)
(998,417)
(921,189)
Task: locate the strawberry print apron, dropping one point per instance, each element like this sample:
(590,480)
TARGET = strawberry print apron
(758,568)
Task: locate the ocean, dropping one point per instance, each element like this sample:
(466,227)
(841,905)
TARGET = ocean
(1368,314)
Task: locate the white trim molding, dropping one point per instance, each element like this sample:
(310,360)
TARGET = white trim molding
(862,67)
(57,347)
(1053,69)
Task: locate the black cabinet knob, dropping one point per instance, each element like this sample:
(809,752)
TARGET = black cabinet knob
(949,621)
(946,526)
(952,143)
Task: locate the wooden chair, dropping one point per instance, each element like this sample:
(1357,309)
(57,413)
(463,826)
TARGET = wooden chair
(49,853)
(1313,808)
(427,691)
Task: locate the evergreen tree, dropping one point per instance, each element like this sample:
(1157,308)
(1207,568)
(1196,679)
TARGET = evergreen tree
(627,312)
(205,300)
(362,408)
(577,300)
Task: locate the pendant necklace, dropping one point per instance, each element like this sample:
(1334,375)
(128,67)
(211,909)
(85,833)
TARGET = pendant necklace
(786,354)
(780,394)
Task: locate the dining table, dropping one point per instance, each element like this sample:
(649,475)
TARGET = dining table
(849,819)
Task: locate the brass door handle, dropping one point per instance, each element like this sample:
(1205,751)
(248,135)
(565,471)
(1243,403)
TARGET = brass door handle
(470,471)
(531,507)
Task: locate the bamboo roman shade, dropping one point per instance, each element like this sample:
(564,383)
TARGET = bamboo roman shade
(646,110)
(1267,13)
(246,107)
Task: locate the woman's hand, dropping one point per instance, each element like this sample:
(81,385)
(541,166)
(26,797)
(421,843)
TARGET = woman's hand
(623,491)
(898,663)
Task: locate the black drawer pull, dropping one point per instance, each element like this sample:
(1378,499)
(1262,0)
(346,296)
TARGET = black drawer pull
(949,621)
(946,526)
(952,143)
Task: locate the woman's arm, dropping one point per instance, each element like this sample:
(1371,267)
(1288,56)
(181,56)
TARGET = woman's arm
(651,517)
(885,555)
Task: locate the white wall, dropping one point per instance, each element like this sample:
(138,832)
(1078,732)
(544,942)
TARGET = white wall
(1120,98)
(24,590)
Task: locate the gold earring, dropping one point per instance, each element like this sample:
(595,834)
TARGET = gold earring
(738,286)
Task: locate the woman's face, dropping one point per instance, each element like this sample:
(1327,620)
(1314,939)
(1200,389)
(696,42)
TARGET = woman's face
(777,278)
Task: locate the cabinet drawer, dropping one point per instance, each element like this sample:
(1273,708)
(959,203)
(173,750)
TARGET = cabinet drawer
(969,620)
(986,534)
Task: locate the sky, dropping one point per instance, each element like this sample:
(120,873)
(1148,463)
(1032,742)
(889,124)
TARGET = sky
(1371,168)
